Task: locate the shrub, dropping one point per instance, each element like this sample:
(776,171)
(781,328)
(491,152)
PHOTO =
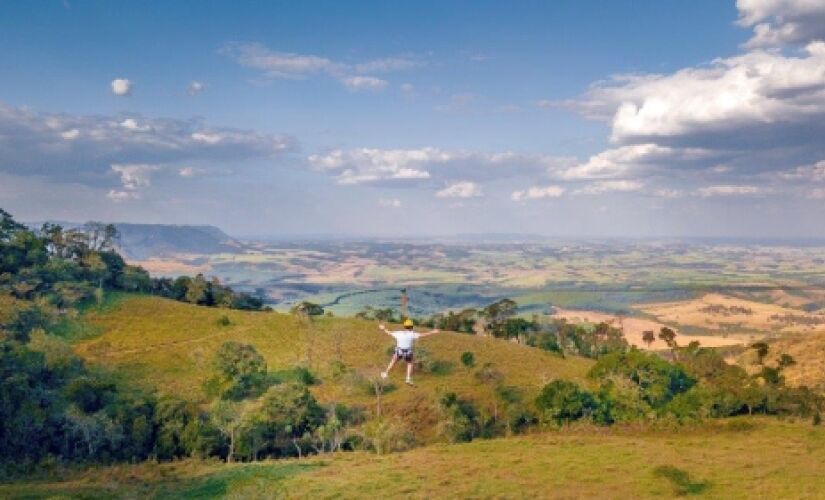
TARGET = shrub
(658,380)
(561,401)
(488,374)
(468,359)
(459,419)
(387,436)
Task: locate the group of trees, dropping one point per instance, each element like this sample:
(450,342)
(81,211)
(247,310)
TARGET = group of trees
(62,269)
(500,319)
(639,386)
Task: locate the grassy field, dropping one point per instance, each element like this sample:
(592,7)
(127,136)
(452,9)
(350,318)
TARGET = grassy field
(717,313)
(170,345)
(740,458)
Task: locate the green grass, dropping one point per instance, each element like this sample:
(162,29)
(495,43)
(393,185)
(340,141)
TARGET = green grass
(741,458)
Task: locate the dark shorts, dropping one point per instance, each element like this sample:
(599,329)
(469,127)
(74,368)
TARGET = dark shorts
(405,354)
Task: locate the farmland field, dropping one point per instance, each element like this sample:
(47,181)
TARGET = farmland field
(690,286)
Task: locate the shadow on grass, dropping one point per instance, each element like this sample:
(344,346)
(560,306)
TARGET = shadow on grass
(257,480)
(247,481)
(681,481)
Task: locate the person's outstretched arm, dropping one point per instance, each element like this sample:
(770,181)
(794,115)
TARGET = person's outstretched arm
(431,332)
(384,329)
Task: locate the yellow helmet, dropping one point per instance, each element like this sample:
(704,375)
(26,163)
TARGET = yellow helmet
(408,323)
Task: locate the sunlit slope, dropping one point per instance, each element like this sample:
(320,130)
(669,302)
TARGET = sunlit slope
(742,458)
(170,345)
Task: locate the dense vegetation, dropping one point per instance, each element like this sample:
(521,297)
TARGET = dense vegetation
(51,403)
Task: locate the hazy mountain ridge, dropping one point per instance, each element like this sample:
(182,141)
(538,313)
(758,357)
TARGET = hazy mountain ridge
(144,241)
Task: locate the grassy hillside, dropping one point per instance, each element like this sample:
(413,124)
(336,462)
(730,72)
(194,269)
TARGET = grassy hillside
(808,350)
(170,345)
(742,458)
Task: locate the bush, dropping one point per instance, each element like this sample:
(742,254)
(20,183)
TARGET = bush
(658,380)
(459,419)
(468,359)
(561,402)
(387,436)
(488,374)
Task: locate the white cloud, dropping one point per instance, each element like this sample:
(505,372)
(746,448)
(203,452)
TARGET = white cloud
(83,148)
(814,172)
(538,192)
(389,202)
(135,176)
(464,189)
(190,172)
(132,124)
(779,22)
(289,65)
(370,165)
(195,88)
(70,135)
(121,87)
(616,162)
(364,83)
(601,187)
(120,196)
(740,95)
(729,190)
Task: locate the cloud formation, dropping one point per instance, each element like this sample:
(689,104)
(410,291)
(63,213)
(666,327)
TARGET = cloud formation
(538,192)
(746,119)
(779,22)
(121,87)
(195,88)
(87,149)
(711,191)
(364,83)
(287,65)
(463,189)
(601,187)
(373,165)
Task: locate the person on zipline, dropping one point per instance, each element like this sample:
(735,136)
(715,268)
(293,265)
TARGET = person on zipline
(404,340)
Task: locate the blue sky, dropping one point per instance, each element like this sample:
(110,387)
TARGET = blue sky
(614,118)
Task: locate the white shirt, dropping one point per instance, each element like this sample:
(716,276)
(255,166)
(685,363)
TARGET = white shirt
(404,338)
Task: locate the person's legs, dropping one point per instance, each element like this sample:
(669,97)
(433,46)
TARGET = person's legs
(410,366)
(386,374)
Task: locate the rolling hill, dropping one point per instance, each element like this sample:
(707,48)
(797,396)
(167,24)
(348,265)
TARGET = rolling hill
(170,345)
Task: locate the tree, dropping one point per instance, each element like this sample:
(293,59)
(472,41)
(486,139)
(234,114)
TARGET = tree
(196,290)
(308,309)
(240,372)
(292,413)
(658,380)
(8,226)
(497,314)
(561,401)
(761,349)
(648,337)
(101,237)
(668,336)
(785,360)
(227,417)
